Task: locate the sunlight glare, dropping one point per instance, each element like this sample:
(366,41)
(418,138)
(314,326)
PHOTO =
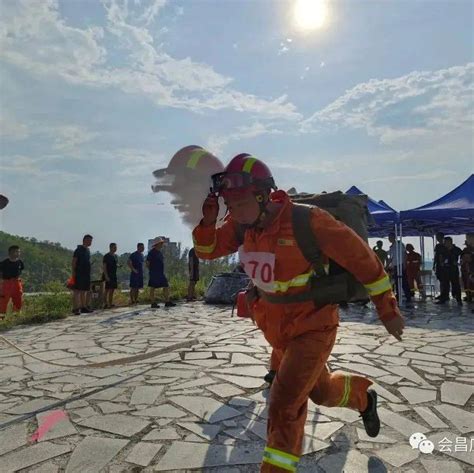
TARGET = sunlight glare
(310,14)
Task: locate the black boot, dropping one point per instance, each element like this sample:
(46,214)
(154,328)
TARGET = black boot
(270,376)
(369,416)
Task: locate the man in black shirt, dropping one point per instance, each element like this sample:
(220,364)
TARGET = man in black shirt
(109,265)
(193,267)
(467,267)
(10,282)
(451,269)
(81,273)
(440,253)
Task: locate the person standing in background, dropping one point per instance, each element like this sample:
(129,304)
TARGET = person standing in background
(157,279)
(396,248)
(467,267)
(10,283)
(109,267)
(193,268)
(451,272)
(381,253)
(440,254)
(81,273)
(414,271)
(135,263)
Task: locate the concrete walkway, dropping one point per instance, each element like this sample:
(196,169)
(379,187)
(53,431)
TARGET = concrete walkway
(204,407)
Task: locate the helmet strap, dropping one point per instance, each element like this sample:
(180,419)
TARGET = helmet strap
(262,199)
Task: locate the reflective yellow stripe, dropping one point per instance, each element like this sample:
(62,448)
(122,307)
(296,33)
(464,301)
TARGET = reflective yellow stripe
(298,281)
(194,158)
(249,162)
(378,287)
(283,460)
(347,392)
(205,248)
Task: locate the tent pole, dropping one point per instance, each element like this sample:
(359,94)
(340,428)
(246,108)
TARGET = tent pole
(399,273)
(400,263)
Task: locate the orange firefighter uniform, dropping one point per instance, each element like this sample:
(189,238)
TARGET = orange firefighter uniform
(413,272)
(11,286)
(302,336)
(11,289)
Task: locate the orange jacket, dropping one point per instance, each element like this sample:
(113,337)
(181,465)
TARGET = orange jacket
(413,262)
(282,322)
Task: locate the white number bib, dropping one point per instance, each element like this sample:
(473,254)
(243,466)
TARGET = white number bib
(260,267)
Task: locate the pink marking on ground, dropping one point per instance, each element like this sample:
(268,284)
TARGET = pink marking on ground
(48,423)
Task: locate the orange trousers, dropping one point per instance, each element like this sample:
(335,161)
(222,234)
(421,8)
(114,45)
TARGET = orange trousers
(415,276)
(11,289)
(302,375)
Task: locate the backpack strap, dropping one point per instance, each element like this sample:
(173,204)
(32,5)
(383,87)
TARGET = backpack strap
(305,238)
(239,233)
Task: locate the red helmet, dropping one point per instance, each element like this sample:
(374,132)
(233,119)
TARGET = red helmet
(191,159)
(244,173)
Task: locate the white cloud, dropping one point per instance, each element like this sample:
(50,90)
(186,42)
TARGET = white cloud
(34,37)
(422,176)
(70,137)
(19,164)
(152,11)
(138,162)
(216,144)
(412,106)
(283,49)
(12,130)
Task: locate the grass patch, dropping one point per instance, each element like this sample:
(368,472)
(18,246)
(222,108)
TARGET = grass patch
(43,308)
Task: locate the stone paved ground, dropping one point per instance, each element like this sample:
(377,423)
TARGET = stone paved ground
(204,407)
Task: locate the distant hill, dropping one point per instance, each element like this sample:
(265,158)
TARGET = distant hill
(48,263)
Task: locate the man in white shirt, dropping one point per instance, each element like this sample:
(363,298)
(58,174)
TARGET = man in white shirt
(396,250)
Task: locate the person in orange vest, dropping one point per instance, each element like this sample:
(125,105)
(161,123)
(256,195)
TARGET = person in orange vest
(302,333)
(10,283)
(414,271)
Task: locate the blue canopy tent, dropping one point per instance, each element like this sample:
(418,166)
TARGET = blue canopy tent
(385,217)
(451,214)
(382,202)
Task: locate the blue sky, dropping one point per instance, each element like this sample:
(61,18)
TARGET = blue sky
(96,95)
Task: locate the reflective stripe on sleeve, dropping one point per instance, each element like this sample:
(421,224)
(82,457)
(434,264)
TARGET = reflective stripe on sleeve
(205,248)
(378,287)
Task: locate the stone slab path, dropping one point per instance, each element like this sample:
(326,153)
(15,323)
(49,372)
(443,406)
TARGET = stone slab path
(203,408)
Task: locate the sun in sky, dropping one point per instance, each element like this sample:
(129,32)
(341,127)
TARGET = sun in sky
(310,14)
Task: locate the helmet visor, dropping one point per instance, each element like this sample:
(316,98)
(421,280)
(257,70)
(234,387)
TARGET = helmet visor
(227,181)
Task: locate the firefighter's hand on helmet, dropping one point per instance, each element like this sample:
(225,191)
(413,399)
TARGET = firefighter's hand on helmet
(210,210)
(395,326)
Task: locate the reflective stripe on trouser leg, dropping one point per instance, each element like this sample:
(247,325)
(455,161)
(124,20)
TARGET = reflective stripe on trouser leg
(339,389)
(347,391)
(281,459)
